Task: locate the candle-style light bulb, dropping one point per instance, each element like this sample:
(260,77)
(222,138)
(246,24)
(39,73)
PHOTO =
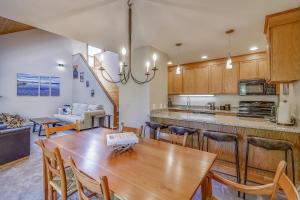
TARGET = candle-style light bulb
(102,58)
(147,66)
(121,67)
(123,51)
(154,57)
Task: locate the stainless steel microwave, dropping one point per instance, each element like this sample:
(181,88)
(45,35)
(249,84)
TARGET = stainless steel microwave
(256,87)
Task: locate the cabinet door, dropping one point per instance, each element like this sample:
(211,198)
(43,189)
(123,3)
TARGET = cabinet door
(189,78)
(285,52)
(215,79)
(201,80)
(231,79)
(174,81)
(248,70)
(263,69)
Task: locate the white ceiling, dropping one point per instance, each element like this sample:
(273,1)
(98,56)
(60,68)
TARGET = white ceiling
(198,24)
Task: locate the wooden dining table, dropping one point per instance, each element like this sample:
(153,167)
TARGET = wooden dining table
(150,170)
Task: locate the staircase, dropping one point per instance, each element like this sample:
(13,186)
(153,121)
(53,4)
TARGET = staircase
(111,89)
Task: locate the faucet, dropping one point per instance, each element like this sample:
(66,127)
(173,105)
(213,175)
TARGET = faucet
(188,103)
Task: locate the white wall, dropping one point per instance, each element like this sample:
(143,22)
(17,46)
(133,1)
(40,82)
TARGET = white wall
(293,98)
(135,99)
(36,52)
(82,94)
(221,100)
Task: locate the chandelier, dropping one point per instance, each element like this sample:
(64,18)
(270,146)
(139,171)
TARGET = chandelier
(125,71)
(229,60)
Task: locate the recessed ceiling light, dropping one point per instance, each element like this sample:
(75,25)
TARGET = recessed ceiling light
(254,48)
(170,63)
(204,57)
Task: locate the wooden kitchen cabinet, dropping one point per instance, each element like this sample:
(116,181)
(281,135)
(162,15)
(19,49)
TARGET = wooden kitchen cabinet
(254,69)
(283,35)
(215,79)
(174,81)
(263,70)
(248,70)
(202,80)
(231,79)
(189,80)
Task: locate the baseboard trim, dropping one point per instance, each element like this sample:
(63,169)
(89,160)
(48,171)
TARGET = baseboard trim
(12,163)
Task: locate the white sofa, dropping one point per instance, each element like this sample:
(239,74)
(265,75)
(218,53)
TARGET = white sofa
(85,113)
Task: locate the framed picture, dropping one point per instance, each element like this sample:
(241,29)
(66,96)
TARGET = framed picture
(81,76)
(75,71)
(27,84)
(55,86)
(44,85)
(92,93)
(87,83)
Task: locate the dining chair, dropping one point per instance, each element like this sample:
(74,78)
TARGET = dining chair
(59,179)
(51,130)
(137,131)
(280,180)
(89,188)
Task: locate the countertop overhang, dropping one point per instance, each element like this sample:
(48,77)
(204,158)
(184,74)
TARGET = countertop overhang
(245,122)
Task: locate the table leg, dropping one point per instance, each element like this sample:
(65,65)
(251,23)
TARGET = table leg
(204,187)
(108,121)
(34,125)
(40,129)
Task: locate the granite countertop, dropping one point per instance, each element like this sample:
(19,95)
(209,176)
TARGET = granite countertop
(203,109)
(244,122)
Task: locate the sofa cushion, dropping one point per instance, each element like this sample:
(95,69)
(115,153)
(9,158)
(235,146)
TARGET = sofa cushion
(81,109)
(75,107)
(92,107)
(68,118)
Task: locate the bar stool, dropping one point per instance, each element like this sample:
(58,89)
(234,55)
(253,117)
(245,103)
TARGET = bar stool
(155,127)
(219,136)
(269,144)
(182,131)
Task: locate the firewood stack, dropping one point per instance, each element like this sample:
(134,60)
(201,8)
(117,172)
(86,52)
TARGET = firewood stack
(12,121)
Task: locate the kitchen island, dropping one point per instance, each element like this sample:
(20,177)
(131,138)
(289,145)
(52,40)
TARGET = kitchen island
(243,127)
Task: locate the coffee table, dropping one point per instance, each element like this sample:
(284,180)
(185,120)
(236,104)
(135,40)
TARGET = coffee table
(43,120)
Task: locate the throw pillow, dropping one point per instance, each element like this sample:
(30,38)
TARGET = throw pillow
(81,109)
(75,107)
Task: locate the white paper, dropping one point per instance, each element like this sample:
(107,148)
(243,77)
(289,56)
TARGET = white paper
(124,138)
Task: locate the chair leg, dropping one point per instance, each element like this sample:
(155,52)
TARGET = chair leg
(246,168)
(202,145)
(198,135)
(237,162)
(285,158)
(293,166)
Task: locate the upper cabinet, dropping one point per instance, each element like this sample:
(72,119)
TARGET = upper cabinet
(231,79)
(189,80)
(212,77)
(254,69)
(202,80)
(174,81)
(216,79)
(283,35)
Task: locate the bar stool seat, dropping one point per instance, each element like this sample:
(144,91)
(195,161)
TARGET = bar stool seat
(182,131)
(270,144)
(220,136)
(155,126)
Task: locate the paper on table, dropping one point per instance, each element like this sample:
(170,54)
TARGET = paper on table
(124,138)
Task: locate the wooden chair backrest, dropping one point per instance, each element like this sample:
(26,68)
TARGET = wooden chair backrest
(267,189)
(51,130)
(288,188)
(179,139)
(137,131)
(85,182)
(54,165)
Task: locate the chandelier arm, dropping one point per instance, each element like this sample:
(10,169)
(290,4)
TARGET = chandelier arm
(146,80)
(111,80)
